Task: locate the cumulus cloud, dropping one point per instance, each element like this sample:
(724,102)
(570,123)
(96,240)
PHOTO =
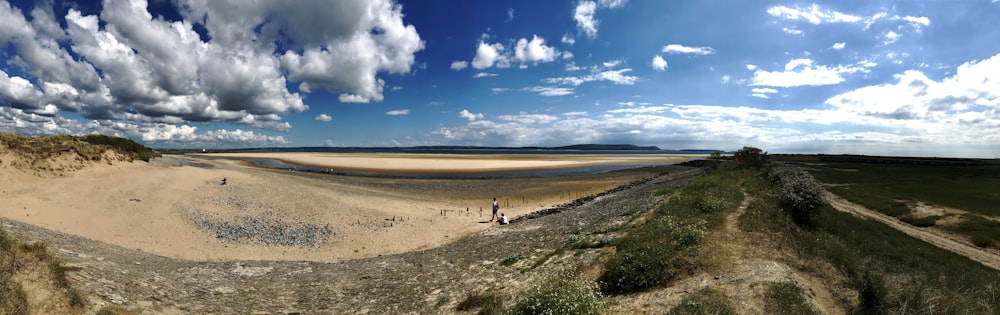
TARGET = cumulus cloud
(524,52)
(792,31)
(398,112)
(488,54)
(466,114)
(534,51)
(128,65)
(484,74)
(459,65)
(800,72)
(324,118)
(839,46)
(658,63)
(681,49)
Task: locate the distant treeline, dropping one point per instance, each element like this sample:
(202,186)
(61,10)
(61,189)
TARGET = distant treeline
(848,158)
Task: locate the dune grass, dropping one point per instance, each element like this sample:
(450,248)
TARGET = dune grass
(89,147)
(15,257)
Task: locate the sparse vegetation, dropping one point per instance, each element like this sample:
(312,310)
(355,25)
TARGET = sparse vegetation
(562,293)
(487,303)
(705,301)
(89,147)
(666,245)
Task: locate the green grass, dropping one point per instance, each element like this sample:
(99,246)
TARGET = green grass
(882,186)
(983,232)
(705,301)
(656,251)
(786,298)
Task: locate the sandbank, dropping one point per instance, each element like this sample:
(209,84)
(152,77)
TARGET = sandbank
(162,207)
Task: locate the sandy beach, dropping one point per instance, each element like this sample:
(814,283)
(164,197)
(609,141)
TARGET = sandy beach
(177,207)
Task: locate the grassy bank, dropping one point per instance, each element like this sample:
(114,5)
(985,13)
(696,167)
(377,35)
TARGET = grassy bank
(21,263)
(890,272)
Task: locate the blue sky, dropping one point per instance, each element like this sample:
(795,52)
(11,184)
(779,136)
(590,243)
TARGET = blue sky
(865,77)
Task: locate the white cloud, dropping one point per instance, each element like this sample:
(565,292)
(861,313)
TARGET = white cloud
(499,90)
(915,115)
(510,15)
(566,39)
(763,92)
(534,51)
(324,118)
(615,76)
(658,63)
(681,49)
(550,91)
(812,14)
(839,46)
(398,112)
(791,31)
(583,14)
(484,74)
(726,78)
(890,37)
(800,72)
(470,116)
(575,114)
(487,55)
(130,66)
(525,52)
(459,64)
(917,21)
(529,119)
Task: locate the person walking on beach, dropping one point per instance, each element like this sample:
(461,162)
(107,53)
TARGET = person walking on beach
(496,206)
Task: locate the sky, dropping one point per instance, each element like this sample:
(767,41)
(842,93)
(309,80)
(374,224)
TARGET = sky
(904,78)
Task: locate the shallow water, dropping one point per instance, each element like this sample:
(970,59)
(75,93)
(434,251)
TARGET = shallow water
(551,172)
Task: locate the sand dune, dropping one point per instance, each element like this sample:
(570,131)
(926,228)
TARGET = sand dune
(176,206)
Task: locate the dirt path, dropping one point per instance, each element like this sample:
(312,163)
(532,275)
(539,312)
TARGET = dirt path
(984,257)
(744,275)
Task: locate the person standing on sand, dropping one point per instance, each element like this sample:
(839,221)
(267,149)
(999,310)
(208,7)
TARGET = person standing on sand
(496,206)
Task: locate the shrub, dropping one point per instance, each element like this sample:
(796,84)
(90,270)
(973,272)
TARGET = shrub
(798,191)
(752,157)
(488,303)
(560,294)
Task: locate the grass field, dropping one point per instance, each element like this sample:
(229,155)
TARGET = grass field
(891,188)
(893,273)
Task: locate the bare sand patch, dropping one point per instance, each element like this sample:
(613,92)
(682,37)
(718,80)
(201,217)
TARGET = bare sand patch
(177,206)
(406,162)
